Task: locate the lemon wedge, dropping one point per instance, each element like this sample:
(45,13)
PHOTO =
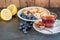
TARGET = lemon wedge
(13,9)
(6,14)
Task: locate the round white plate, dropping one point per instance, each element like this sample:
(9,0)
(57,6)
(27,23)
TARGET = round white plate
(54,30)
(20,11)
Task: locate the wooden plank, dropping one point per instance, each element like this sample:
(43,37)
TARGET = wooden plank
(8,2)
(16,2)
(54,3)
(37,3)
(30,2)
(2,3)
(23,3)
(43,3)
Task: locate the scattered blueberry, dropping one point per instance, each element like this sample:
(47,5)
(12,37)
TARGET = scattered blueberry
(24,26)
(29,27)
(24,23)
(20,28)
(21,24)
(25,32)
(31,22)
(28,22)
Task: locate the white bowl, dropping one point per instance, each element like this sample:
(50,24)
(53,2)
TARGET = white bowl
(20,11)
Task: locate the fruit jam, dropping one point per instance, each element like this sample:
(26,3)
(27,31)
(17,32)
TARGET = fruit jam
(48,21)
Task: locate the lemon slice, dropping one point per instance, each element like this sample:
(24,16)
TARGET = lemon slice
(6,14)
(13,9)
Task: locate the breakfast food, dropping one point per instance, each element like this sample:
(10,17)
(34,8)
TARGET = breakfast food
(34,13)
(39,25)
(28,15)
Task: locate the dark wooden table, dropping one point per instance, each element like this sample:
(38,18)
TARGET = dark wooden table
(9,31)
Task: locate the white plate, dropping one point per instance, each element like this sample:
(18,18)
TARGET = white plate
(54,30)
(20,11)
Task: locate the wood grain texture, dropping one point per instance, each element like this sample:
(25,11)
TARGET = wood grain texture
(16,2)
(54,3)
(43,3)
(30,2)
(23,3)
(8,2)
(37,3)
(2,3)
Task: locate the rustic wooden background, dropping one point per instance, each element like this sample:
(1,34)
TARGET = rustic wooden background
(24,3)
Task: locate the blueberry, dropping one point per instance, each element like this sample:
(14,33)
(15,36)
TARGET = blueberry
(20,28)
(25,32)
(23,16)
(24,26)
(31,22)
(27,17)
(34,18)
(28,22)
(31,17)
(29,27)
(21,24)
(24,23)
